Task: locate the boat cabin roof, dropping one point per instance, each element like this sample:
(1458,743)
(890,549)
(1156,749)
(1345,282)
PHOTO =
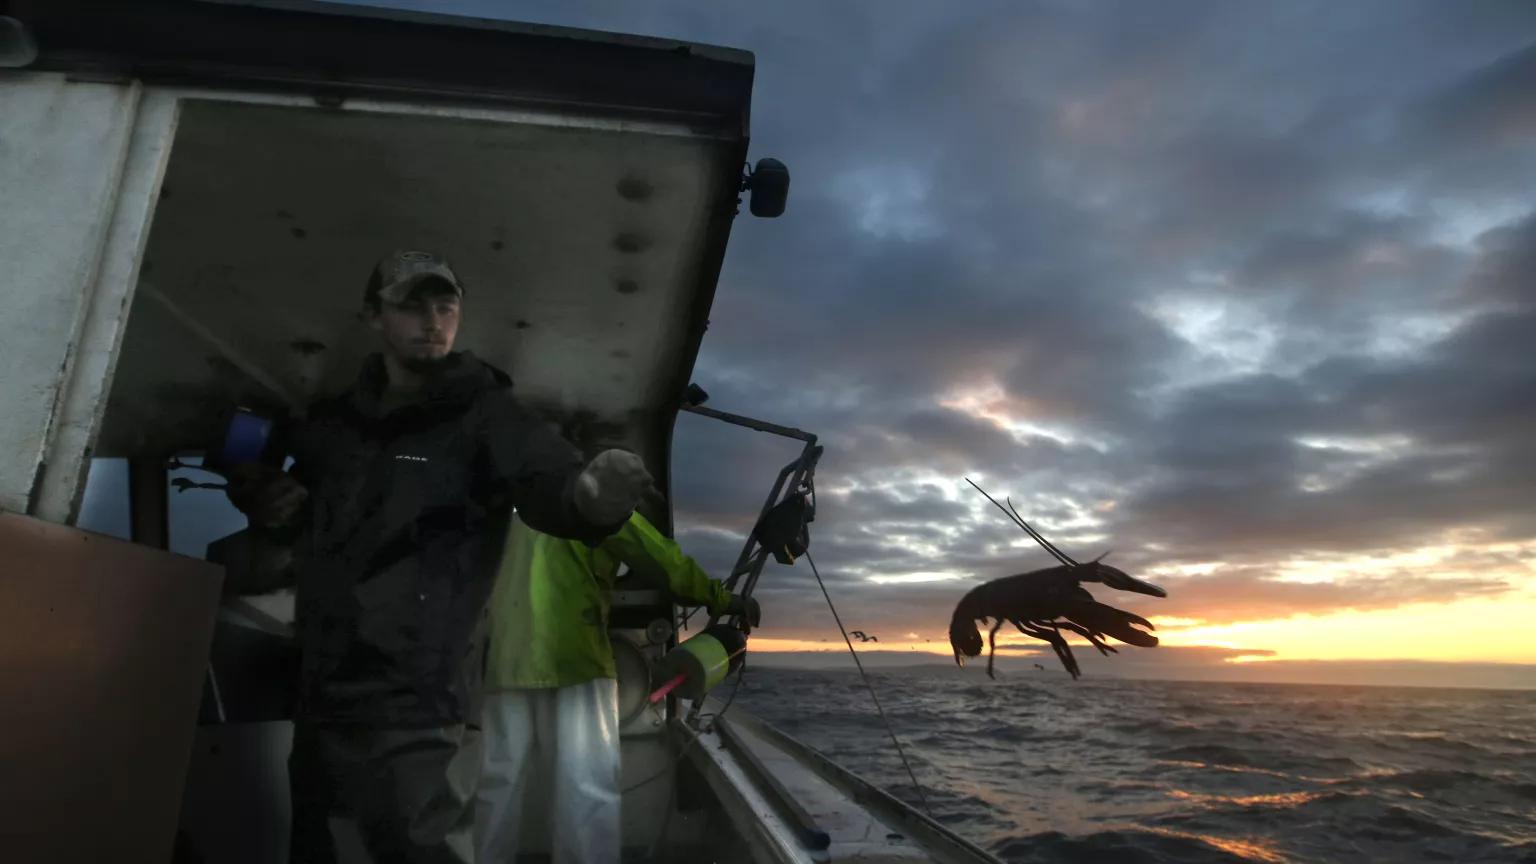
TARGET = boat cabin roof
(583,185)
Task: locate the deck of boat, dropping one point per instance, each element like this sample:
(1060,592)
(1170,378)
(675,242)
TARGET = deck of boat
(794,804)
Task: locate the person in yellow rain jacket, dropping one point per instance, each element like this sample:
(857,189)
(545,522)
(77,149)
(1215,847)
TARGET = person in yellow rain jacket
(551,684)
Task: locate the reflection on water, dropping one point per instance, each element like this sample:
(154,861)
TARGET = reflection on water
(1279,799)
(1235,769)
(1140,771)
(1249,848)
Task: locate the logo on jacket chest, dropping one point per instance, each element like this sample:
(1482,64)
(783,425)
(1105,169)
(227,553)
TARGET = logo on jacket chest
(405,457)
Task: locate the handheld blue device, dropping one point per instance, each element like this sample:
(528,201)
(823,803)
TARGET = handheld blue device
(246,440)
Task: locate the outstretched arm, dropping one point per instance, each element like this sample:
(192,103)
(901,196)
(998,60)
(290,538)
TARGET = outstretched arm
(646,550)
(528,465)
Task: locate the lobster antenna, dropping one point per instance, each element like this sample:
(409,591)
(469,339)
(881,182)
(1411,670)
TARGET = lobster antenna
(1040,538)
(1012,517)
(1019,521)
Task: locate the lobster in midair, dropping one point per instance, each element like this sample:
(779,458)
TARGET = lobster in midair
(1042,603)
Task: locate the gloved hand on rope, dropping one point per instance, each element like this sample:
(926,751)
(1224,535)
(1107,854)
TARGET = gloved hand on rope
(747,609)
(611,485)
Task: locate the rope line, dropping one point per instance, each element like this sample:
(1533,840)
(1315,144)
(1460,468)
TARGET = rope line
(862,674)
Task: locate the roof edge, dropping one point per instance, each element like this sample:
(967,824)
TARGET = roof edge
(334,49)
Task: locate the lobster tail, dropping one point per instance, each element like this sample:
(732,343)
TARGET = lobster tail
(1110,621)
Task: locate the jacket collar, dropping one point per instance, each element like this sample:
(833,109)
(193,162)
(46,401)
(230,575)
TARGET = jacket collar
(454,383)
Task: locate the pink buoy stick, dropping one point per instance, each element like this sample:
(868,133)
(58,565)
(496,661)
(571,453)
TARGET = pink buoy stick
(675,682)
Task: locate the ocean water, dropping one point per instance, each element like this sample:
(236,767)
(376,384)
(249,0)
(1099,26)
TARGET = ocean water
(1045,769)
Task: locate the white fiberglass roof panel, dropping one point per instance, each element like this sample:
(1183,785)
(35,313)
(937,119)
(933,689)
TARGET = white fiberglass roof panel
(585,248)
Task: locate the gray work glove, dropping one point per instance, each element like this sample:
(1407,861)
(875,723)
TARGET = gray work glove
(611,486)
(748,609)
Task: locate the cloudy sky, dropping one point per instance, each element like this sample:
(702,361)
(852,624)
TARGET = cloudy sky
(1243,291)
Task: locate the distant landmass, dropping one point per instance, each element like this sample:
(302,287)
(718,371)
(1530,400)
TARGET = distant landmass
(1182,664)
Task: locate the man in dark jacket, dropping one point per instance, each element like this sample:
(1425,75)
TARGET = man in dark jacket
(390,524)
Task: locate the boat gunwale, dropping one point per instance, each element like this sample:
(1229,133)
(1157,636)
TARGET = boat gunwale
(865,793)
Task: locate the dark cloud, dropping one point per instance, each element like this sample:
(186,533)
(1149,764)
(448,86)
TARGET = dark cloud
(1506,273)
(1494,106)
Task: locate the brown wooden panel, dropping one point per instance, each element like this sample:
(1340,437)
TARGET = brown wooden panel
(103,647)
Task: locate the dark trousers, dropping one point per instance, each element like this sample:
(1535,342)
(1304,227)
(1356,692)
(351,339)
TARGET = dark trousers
(363,795)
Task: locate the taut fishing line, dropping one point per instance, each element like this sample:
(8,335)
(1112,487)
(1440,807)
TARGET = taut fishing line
(862,674)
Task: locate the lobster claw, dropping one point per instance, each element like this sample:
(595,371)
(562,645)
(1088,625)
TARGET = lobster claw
(1114,622)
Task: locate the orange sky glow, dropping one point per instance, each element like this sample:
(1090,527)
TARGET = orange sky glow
(1499,628)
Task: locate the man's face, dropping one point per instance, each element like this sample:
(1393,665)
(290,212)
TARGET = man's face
(420,331)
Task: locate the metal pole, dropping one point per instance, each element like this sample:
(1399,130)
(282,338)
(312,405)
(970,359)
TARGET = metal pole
(149,521)
(748,422)
(749,565)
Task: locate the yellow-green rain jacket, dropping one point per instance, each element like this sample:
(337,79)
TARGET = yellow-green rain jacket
(549,609)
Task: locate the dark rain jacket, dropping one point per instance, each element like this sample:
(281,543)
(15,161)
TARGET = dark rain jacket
(396,552)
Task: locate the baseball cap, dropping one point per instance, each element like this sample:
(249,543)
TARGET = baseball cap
(399,272)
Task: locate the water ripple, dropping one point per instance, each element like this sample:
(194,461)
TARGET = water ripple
(1186,773)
